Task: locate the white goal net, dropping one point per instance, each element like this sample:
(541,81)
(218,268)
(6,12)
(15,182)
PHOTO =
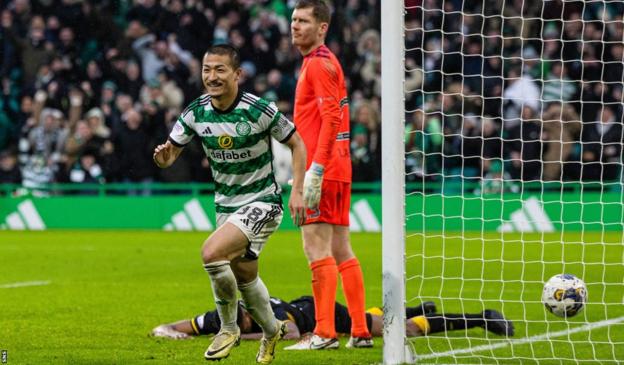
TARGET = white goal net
(512,171)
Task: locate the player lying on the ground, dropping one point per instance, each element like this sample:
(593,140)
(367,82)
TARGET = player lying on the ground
(299,316)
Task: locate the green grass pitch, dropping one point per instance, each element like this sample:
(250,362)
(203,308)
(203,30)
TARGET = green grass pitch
(104,292)
(507,273)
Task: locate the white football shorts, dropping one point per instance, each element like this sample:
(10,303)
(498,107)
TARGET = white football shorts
(257,221)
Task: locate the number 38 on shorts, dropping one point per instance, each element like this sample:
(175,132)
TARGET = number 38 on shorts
(257,220)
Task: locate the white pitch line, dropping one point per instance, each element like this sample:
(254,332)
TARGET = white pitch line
(521,341)
(24,283)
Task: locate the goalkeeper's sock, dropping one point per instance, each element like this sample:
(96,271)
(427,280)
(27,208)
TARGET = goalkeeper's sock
(256,298)
(353,288)
(451,322)
(324,282)
(224,292)
(424,324)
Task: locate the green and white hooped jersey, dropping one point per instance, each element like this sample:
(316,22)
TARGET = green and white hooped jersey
(237,142)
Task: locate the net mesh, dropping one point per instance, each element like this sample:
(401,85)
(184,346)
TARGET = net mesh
(514,174)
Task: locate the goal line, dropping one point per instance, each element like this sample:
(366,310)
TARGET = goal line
(523,341)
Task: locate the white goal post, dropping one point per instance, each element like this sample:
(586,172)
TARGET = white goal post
(395,350)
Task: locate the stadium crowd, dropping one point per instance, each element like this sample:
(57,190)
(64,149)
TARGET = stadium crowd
(519,90)
(89,87)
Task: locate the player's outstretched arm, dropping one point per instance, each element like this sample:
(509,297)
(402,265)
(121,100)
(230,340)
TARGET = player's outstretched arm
(296,202)
(176,331)
(166,154)
(183,329)
(203,324)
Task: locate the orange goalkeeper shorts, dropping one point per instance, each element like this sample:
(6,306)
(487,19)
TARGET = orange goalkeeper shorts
(334,205)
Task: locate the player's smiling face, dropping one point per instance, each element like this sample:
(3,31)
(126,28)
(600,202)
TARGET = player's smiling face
(306,31)
(219,76)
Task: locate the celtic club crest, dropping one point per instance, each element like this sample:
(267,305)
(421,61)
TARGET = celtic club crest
(243,128)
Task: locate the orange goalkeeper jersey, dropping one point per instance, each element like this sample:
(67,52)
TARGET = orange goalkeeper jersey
(322,113)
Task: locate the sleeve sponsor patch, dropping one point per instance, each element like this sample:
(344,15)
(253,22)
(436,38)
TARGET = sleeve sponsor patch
(283,123)
(180,133)
(282,128)
(178,128)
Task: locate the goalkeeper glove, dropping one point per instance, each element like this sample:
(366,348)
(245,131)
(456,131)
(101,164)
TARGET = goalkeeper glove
(312,185)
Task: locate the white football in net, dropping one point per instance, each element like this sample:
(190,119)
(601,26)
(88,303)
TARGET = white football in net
(564,295)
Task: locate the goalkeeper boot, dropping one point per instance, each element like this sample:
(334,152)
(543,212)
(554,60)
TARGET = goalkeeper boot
(266,353)
(315,342)
(222,344)
(496,323)
(428,307)
(359,342)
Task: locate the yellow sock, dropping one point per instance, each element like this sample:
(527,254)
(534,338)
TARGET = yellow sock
(375,311)
(422,323)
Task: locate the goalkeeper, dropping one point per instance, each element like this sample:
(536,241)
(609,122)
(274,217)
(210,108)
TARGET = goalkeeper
(322,118)
(299,317)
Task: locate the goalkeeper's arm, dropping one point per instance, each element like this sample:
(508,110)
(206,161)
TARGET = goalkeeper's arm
(312,183)
(325,84)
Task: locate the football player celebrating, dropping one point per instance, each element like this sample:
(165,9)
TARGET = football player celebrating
(235,130)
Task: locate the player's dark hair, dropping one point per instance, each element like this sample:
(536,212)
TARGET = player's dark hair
(226,50)
(320,10)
